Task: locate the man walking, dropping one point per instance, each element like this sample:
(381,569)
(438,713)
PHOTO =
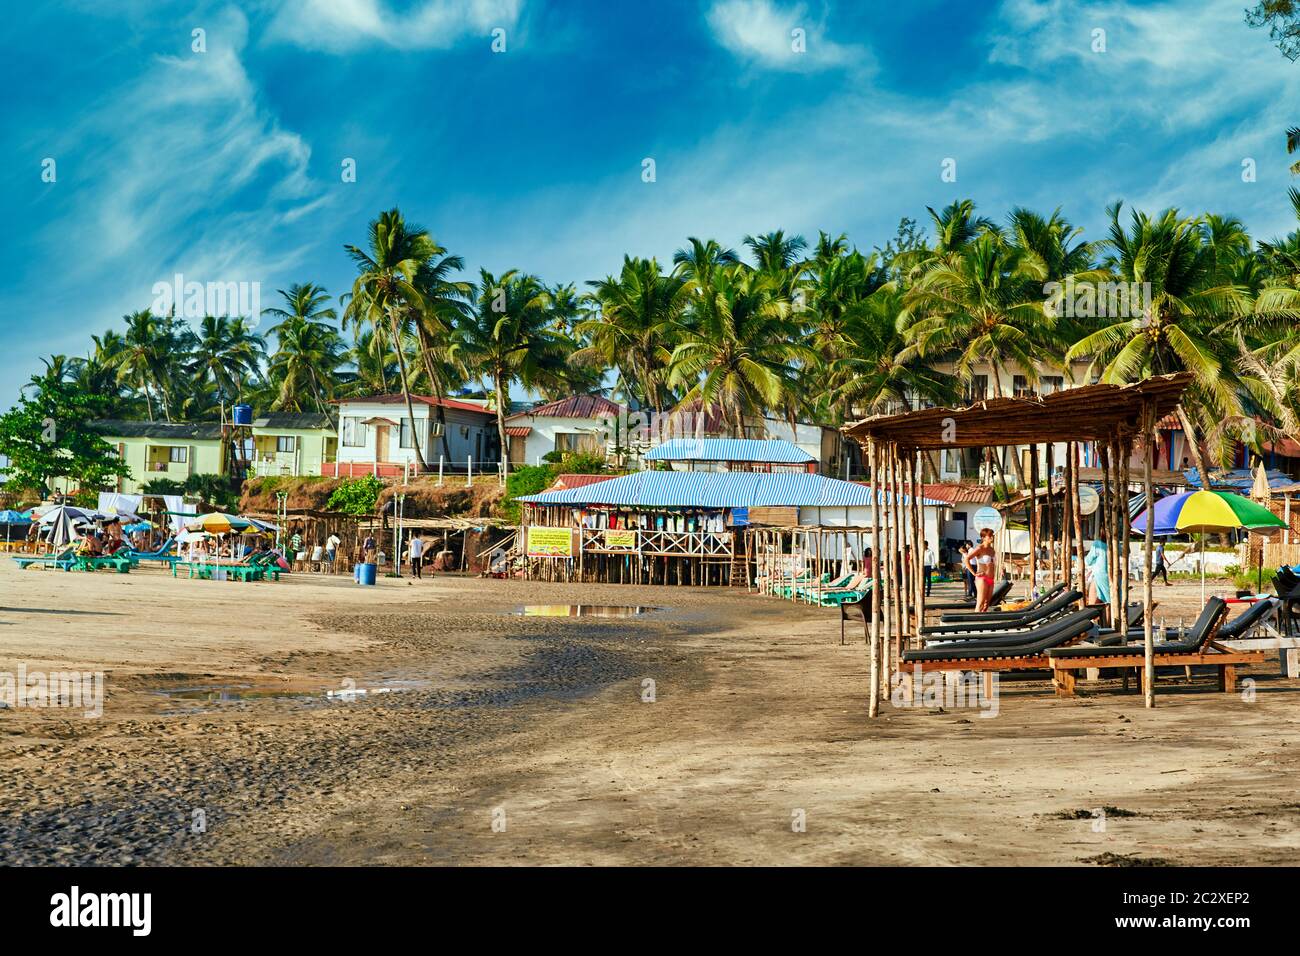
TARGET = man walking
(1160,567)
(927,566)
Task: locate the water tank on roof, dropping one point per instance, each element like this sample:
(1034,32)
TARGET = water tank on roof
(241,415)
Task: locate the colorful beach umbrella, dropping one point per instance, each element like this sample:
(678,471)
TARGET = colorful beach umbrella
(1205,512)
(218,523)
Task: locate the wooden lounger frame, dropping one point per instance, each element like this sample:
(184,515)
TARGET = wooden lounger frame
(1224,658)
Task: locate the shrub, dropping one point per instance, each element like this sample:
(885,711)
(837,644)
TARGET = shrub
(356,496)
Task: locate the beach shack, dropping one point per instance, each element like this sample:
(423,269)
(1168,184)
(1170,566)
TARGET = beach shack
(699,528)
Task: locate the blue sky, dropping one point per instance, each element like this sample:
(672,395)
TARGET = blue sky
(225,165)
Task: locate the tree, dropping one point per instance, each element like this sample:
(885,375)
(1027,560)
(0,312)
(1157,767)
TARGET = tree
(47,436)
(1190,321)
(309,349)
(384,294)
(980,304)
(635,328)
(739,350)
(150,347)
(227,353)
(509,337)
(443,303)
(1282,17)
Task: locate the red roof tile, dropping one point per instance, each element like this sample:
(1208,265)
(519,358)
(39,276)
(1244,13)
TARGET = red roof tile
(577,481)
(958,494)
(518,431)
(575,406)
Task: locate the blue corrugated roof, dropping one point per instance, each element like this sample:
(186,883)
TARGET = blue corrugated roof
(703,489)
(774,450)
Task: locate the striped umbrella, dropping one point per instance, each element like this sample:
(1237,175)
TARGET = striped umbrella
(1206,512)
(218,523)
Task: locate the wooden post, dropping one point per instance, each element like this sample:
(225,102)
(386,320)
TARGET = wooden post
(873,653)
(1032,512)
(1148,605)
(887,565)
(1079,545)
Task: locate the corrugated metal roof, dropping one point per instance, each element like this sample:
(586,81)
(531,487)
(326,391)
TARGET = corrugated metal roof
(518,431)
(575,406)
(118,428)
(703,489)
(397,398)
(774,450)
(305,420)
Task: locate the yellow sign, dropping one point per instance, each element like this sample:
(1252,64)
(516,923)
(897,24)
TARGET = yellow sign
(620,539)
(550,542)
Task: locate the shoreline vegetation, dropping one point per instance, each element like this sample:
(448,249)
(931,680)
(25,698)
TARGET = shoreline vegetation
(963,307)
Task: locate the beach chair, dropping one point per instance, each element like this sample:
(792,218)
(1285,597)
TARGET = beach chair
(989,658)
(120,563)
(1017,638)
(1006,620)
(1199,646)
(64,560)
(163,553)
(811,592)
(854,591)
(1000,590)
(958,617)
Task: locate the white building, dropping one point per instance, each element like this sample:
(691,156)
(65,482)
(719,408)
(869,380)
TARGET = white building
(377,437)
(579,423)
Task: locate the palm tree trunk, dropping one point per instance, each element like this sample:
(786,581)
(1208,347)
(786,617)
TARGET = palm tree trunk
(406,393)
(1193,448)
(435,382)
(501,426)
(1021,482)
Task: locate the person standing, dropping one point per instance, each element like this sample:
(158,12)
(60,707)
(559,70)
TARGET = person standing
(980,562)
(927,566)
(368,549)
(1160,567)
(417,554)
(968,577)
(332,548)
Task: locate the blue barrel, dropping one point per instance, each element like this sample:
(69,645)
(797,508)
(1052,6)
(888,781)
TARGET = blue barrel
(242,414)
(366,573)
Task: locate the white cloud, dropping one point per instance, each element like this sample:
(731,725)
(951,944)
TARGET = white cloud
(764,33)
(339,25)
(184,170)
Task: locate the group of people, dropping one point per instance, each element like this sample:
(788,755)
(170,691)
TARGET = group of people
(418,553)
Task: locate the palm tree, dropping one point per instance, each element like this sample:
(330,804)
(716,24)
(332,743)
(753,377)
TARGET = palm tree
(739,350)
(634,329)
(509,337)
(444,302)
(1192,314)
(384,295)
(309,349)
(981,305)
(149,347)
(698,261)
(227,353)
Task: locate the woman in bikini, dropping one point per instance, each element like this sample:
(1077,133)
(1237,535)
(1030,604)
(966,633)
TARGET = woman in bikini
(979,561)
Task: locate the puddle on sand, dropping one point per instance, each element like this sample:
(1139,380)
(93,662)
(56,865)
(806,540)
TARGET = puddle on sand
(582,610)
(225,693)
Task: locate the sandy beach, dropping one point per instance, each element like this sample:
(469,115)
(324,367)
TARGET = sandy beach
(720,728)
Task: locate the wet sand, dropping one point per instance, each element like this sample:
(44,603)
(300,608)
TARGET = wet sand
(489,738)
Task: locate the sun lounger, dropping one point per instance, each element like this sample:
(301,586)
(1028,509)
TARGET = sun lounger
(1006,638)
(971,656)
(64,560)
(961,617)
(163,553)
(1199,646)
(1013,620)
(119,563)
(1000,590)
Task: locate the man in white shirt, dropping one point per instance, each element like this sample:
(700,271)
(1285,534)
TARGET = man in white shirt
(417,554)
(928,565)
(332,548)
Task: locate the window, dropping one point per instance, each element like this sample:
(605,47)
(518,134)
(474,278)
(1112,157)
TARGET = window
(406,436)
(353,432)
(285,444)
(572,442)
(1050,384)
(1020,386)
(178,454)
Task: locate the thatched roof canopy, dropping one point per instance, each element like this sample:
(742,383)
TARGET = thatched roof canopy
(1088,413)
